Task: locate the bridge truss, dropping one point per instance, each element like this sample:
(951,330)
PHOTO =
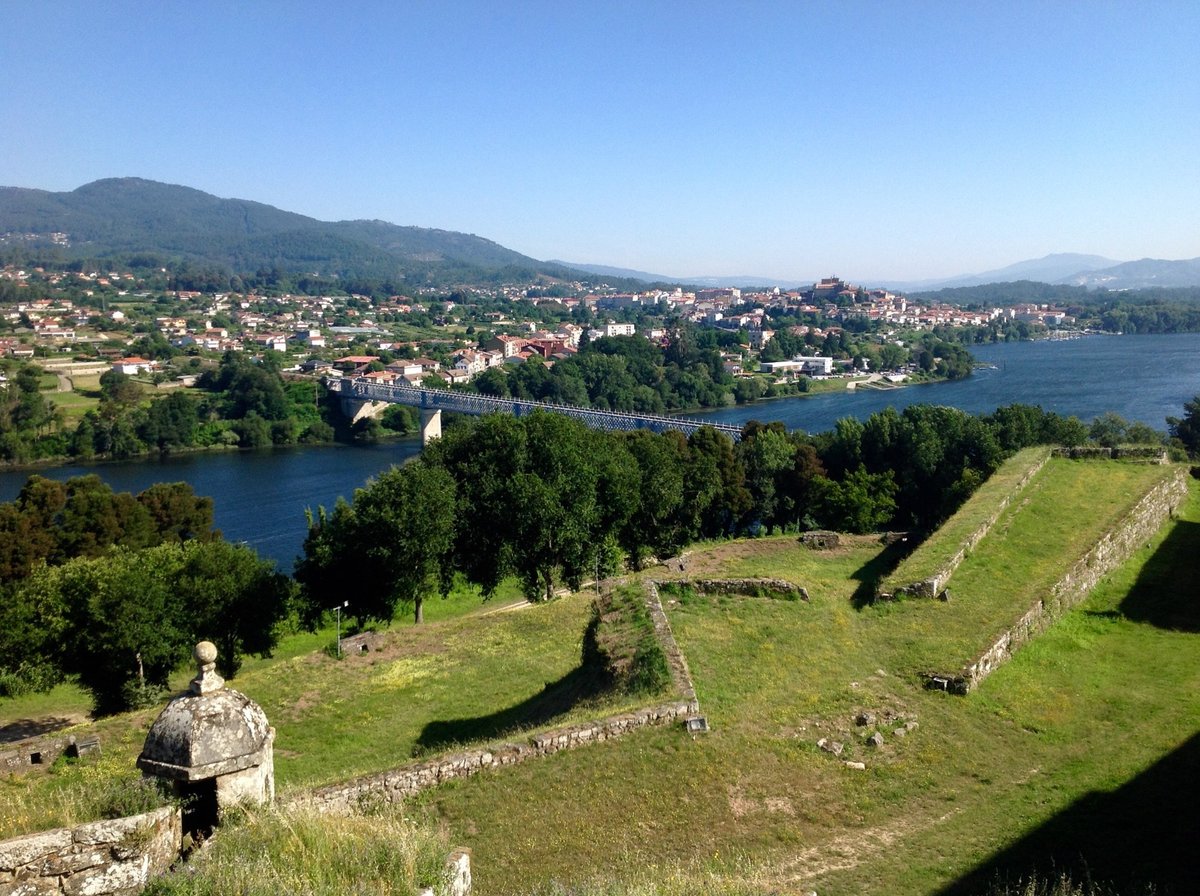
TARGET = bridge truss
(468,403)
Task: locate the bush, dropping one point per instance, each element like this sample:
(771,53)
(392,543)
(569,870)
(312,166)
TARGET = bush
(28,678)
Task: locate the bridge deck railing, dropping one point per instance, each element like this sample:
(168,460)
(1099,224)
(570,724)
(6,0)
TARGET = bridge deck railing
(473,403)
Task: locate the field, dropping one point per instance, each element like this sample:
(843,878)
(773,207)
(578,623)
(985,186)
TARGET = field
(1085,744)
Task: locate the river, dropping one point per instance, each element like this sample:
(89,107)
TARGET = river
(260,497)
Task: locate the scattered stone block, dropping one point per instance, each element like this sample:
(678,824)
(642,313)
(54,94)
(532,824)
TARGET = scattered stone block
(820,540)
(86,746)
(831,746)
(696,724)
(876,739)
(900,732)
(864,718)
(858,766)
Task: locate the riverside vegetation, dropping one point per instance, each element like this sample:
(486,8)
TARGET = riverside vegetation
(541,500)
(1076,729)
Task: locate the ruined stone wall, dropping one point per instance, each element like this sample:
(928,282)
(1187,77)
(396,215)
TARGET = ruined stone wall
(1150,453)
(1138,526)
(117,857)
(936,584)
(395,785)
(751,587)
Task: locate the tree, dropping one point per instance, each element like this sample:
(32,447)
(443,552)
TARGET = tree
(394,542)
(1187,427)
(178,514)
(170,422)
(862,502)
(234,599)
(117,388)
(125,623)
(654,522)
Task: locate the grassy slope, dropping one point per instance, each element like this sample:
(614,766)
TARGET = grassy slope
(937,550)
(755,805)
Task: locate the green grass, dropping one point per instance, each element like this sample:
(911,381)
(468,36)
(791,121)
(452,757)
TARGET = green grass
(1032,544)
(1081,710)
(469,673)
(74,405)
(939,548)
(1085,714)
(298,850)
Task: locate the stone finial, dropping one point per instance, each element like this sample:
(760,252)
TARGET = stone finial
(207,680)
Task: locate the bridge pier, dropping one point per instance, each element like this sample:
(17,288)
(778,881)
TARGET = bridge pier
(431,425)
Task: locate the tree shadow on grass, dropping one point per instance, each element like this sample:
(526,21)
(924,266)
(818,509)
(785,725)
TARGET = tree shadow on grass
(26,728)
(1165,593)
(869,574)
(1140,838)
(555,699)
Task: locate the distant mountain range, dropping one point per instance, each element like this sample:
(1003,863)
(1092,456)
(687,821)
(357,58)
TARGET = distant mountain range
(123,218)
(1068,269)
(1065,269)
(127,219)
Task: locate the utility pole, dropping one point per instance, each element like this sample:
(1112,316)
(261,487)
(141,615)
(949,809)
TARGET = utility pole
(338,609)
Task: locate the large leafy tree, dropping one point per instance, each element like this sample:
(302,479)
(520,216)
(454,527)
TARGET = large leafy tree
(124,621)
(390,547)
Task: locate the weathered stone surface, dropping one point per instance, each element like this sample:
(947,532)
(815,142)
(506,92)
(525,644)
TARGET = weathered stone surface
(876,739)
(200,736)
(820,540)
(864,719)
(831,746)
(749,587)
(105,858)
(213,733)
(36,886)
(21,851)
(858,766)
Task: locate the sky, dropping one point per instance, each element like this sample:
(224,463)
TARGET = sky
(793,139)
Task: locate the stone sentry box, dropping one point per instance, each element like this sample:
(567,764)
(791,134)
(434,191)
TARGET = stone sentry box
(214,745)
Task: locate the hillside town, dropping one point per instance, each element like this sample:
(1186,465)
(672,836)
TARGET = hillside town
(138,323)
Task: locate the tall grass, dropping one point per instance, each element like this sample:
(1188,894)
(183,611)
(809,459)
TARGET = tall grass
(299,850)
(78,791)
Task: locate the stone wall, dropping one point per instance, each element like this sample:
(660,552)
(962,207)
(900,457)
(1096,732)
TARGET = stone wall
(1138,526)
(936,584)
(749,587)
(458,873)
(1151,453)
(117,857)
(395,785)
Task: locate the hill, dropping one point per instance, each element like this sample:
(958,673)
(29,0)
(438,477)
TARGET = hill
(1147,273)
(126,219)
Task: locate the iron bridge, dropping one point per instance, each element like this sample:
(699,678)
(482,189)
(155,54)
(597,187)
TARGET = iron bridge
(469,403)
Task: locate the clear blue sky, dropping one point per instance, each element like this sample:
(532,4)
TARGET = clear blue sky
(788,139)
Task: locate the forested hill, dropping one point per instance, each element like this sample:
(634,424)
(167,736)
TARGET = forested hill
(132,218)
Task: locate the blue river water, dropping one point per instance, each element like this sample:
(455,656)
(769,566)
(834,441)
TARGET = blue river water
(261,497)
